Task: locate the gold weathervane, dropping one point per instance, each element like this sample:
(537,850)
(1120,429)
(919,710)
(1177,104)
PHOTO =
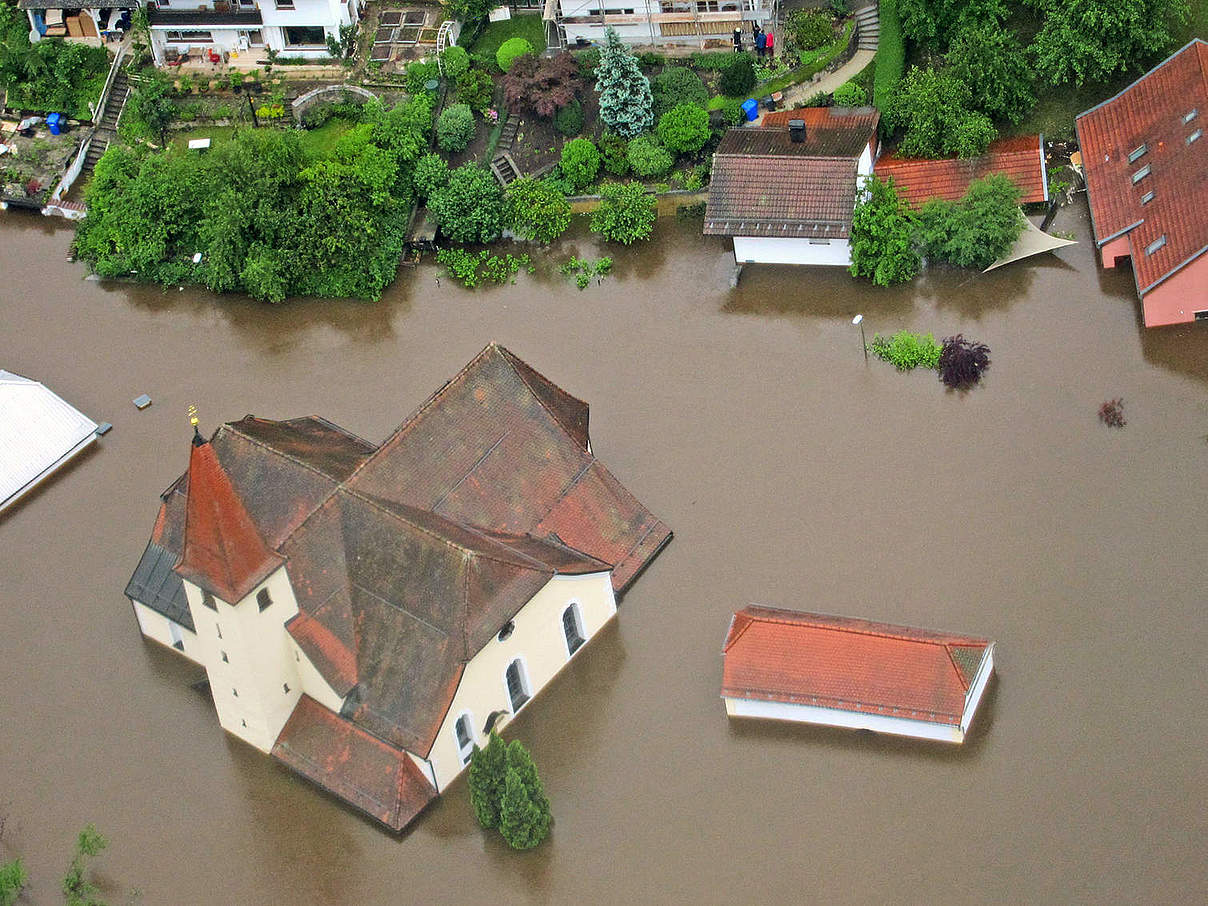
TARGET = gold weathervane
(193,416)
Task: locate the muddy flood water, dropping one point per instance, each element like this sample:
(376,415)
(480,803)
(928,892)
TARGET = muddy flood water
(793,474)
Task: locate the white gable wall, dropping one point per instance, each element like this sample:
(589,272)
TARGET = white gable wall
(157,627)
(311,679)
(537,638)
(764,250)
(832,717)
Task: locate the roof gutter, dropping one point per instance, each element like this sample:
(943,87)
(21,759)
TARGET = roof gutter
(1172,271)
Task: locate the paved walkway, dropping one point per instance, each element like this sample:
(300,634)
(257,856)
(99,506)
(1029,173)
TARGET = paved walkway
(797,95)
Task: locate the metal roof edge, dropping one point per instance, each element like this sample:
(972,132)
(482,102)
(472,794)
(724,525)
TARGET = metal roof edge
(1099,243)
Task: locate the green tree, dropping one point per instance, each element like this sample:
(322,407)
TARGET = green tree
(936,22)
(580,162)
(614,154)
(677,85)
(524,813)
(537,209)
(991,61)
(975,231)
(455,128)
(738,78)
(13,878)
(470,207)
(882,246)
(648,159)
(932,108)
(77,887)
(431,173)
(469,11)
(264,275)
(849,94)
(684,129)
(626,213)
(511,50)
(455,61)
(626,103)
(475,88)
(1093,40)
(151,107)
(486,777)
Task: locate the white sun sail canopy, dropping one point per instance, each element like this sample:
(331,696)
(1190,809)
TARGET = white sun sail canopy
(39,433)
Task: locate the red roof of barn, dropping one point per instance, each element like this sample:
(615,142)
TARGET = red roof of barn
(918,180)
(359,768)
(849,664)
(223,551)
(1155,120)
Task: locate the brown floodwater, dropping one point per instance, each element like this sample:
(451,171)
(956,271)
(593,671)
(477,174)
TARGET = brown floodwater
(793,474)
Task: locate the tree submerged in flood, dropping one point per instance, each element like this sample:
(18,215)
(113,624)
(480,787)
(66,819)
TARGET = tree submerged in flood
(506,793)
(962,362)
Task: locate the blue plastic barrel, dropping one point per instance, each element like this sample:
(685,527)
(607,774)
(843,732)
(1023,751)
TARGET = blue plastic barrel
(54,123)
(751,108)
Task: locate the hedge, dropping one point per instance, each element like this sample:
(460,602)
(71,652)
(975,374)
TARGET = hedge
(891,55)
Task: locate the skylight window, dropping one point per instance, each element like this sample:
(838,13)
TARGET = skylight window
(1195,136)
(1141,174)
(1147,198)
(1192,114)
(1137,153)
(1155,245)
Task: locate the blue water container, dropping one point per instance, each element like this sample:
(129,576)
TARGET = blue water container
(751,108)
(54,122)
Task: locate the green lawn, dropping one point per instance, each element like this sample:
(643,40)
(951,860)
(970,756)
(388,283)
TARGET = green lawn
(317,143)
(529,27)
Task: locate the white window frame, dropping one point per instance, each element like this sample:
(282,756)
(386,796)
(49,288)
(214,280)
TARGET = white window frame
(189,37)
(577,612)
(464,753)
(525,683)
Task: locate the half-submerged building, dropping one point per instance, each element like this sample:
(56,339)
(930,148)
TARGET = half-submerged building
(844,672)
(367,613)
(1146,159)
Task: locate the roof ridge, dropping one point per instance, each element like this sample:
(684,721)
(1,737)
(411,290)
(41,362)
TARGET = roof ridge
(945,639)
(507,355)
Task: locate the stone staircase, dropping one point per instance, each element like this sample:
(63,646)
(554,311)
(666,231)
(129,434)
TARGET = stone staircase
(504,168)
(868,27)
(106,127)
(508,134)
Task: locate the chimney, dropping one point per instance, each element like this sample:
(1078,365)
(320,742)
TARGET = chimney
(797,131)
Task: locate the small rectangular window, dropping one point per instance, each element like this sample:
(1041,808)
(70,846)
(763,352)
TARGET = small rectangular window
(1155,245)
(1147,198)
(208,600)
(235,692)
(285,686)
(1137,153)
(219,628)
(264,599)
(224,658)
(1195,136)
(1191,114)
(1140,174)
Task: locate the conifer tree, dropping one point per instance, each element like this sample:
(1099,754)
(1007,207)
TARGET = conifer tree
(626,104)
(488,768)
(524,815)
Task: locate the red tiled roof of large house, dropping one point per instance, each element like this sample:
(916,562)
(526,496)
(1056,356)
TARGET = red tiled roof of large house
(1146,162)
(1021,159)
(764,184)
(853,672)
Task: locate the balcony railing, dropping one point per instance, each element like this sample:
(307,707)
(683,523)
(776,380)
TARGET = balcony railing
(172,18)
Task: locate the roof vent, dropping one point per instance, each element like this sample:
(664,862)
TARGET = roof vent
(797,131)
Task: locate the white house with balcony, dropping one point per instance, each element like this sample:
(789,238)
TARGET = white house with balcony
(694,22)
(367,614)
(239,28)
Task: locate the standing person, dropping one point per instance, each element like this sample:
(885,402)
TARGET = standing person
(737,39)
(768,47)
(761,44)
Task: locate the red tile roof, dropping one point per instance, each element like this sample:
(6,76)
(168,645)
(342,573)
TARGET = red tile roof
(856,123)
(764,184)
(849,664)
(919,180)
(1152,114)
(355,766)
(223,551)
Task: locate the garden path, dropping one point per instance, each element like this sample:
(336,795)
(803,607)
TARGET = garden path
(797,95)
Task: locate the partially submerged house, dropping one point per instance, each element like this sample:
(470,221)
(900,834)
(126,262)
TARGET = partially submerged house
(844,672)
(786,193)
(1146,160)
(39,434)
(368,613)
(1019,158)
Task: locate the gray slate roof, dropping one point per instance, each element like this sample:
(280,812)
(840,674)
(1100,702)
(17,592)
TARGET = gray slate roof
(156,585)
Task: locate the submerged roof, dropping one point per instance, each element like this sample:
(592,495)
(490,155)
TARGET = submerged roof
(765,184)
(407,558)
(1020,159)
(39,432)
(849,664)
(1146,160)
(358,768)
